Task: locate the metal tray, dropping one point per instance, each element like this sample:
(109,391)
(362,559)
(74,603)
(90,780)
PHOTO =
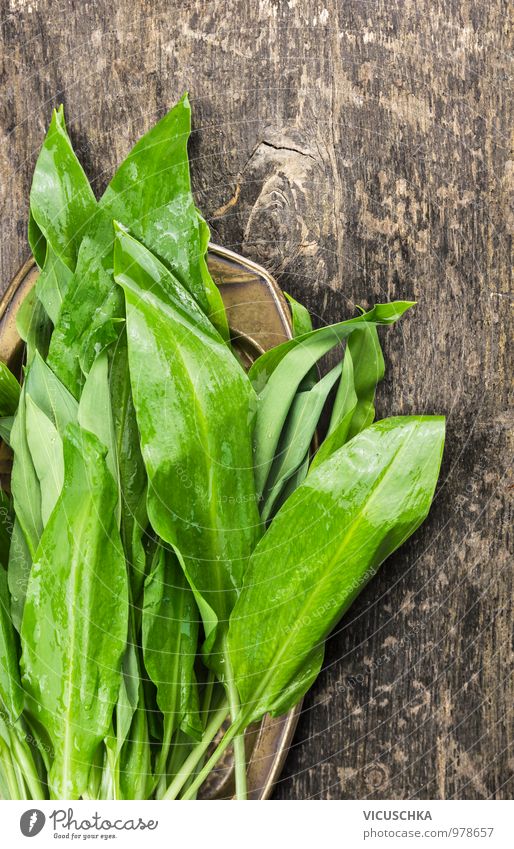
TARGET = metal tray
(259,319)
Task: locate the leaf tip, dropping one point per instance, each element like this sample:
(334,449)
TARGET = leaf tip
(119,228)
(402,307)
(58,117)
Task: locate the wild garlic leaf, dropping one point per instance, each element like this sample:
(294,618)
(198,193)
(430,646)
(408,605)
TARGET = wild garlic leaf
(194,410)
(368,371)
(37,241)
(301,682)
(135,766)
(292,483)
(50,395)
(277,374)
(151,195)
(155,179)
(6,423)
(131,469)
(170,637)
(25,487)
(62,202)
(128,696)
(33,326)
(49,409)
(302,322)
(91,314)
(216,308)
(6,527)
(130,700)
(95,412)
(45,445)
(9,391)
(353,410)
(320,341)
(345,402)
(121,741)
(296,437)
(74,625)
(62,205)
(52,284)
(11,693)
(18,571)
(44,411)
(323,546)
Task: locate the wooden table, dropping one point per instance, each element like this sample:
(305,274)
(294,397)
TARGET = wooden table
(360,151)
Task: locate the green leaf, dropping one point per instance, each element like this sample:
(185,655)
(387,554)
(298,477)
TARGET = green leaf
(314,345)
(132,474)
(62,206)
(191,724)
(95,413)
(354,409)
(129,706)
(170,636)
(216,307)
(52,284)
(135,760)
(300,316)
(302,324)
(368,371)
(33,326)
(11,693)
(151,194)
(296,437)
(49,409)
(61,200)
(50,395)
(18,571)
(6,423)
(323,546)
(75,617)
(345,402)
(293,483)
(193,404)
(37,241)
(46,450)
(25,486)
(300,683)
(91,311)
(277,374)
(9,391)
(6,527)
(128,697)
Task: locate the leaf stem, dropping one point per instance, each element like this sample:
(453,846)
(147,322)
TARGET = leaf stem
(23,793)
(10,775)
(213,760)
(239,738)
(107,787)
(160,777)
(197,753)
(27,767)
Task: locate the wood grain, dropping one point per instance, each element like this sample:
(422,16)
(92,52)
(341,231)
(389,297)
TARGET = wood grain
(360,151)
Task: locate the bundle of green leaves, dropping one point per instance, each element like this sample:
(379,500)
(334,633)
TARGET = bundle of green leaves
(172,555)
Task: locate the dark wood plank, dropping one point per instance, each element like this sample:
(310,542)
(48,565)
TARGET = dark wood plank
(360,151)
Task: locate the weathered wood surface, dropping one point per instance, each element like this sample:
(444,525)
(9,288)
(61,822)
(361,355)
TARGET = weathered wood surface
(360,151)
